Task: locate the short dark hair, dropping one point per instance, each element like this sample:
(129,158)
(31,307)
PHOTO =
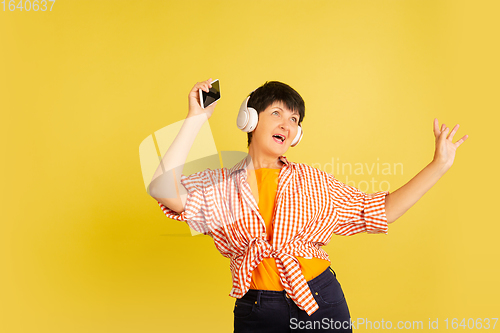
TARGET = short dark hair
(275,91)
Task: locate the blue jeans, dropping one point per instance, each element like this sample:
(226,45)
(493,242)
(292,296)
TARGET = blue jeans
(274,311)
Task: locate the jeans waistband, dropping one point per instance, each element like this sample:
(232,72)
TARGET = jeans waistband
(317,283)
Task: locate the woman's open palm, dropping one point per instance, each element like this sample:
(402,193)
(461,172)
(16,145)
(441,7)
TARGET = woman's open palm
(445,148)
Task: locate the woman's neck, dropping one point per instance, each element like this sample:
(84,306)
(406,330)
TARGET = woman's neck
(259,162)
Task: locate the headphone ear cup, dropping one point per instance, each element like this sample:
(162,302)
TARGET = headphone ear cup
(247,117)
(253,119)
(298,137)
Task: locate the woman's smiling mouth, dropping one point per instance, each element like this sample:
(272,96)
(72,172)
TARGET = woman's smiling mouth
(278,140)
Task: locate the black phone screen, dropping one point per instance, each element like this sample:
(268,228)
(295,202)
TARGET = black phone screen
(212,95)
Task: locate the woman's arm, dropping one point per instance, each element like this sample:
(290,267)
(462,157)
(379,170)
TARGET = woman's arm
(399,201)
(165,186)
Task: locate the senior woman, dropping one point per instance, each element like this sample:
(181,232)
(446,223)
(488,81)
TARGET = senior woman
(270,216)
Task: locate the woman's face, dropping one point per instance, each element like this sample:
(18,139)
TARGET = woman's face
(277,119)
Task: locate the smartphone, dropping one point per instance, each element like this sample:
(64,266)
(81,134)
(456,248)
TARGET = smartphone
(213,94)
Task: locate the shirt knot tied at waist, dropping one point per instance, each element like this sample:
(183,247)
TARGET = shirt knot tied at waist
(288,268)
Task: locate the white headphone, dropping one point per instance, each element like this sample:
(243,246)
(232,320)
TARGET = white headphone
(248,118)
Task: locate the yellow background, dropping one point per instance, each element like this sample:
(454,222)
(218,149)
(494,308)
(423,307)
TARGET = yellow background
(83,248)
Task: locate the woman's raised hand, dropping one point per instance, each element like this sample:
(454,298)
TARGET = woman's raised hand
(195,108)
(445,148)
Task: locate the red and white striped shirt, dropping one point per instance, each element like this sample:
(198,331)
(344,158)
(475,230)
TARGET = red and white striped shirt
(310,205)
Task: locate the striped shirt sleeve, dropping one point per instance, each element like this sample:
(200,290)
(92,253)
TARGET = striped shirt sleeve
(196,206)
(357,211)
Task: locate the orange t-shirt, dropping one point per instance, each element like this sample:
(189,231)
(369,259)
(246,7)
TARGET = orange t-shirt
(265,276)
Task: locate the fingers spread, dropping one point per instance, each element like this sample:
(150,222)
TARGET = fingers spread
(444,133)
(452,133)
(459,142)
(436,128)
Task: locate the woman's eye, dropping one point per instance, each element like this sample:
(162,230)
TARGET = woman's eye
(275,112)
(295,119)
